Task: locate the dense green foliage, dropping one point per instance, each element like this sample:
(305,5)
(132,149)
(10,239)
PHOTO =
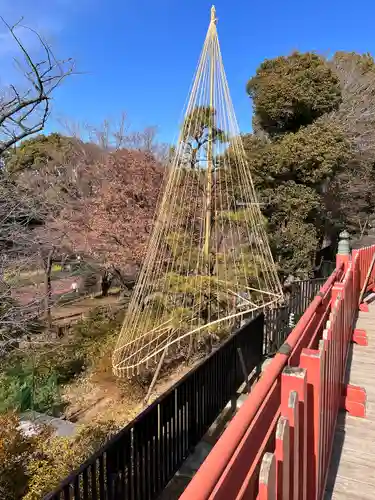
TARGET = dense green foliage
(32,379)
(312,153)
(311,156)
(38,151)
(290,175)
(290,92)
(31,466)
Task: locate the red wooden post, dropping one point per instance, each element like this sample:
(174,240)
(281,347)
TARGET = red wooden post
(323,416)
(364,307)
(332,383)
(360,337)
(267,478)
(354,400)
(356,273)
(289,409)
(312,361)
(295,379)
(282,453)
(337,327)
(338,288)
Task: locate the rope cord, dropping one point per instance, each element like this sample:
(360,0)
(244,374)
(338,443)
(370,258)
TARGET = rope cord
(208,263)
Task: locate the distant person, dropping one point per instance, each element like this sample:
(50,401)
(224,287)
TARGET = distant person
(74,286)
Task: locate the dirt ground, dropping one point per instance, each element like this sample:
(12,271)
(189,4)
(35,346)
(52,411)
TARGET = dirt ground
(66,313)
(96,396)
(90,398)
(29,293)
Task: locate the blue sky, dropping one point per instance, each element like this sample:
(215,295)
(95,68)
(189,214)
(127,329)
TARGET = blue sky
(139,56)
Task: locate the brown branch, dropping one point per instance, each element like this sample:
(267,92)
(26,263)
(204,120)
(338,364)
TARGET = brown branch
(25,113)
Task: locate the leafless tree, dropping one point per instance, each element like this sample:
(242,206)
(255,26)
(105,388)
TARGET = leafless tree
(112,135)
(146,141)
(350,199)
(356,114)
(27,246)
(17,214)
(24,108)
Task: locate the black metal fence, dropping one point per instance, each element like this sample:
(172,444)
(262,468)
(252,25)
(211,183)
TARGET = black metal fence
(279,322)
(141,459)
(325,269)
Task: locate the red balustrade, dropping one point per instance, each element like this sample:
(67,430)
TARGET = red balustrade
(279,444)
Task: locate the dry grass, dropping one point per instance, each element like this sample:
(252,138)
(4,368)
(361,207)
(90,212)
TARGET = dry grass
(99,395)
(89,401)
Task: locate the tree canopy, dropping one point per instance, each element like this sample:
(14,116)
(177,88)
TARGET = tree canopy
(312,151)
(293,91)
(310,156)
(112,222)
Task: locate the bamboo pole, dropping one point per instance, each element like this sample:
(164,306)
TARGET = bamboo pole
(210,142)
(155,377)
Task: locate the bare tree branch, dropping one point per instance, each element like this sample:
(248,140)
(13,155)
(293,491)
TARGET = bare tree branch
(24,109)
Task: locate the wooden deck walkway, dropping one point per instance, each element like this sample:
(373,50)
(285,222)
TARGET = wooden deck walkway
(352,471)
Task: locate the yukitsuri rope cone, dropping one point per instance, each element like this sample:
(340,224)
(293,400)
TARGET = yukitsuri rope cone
(208,263)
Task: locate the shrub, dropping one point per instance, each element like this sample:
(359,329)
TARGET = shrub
(31,466)
(32,379)
(16,452)
(58,456)
(21,389)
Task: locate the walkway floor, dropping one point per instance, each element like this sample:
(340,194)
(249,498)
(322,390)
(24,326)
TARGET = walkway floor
(352,472)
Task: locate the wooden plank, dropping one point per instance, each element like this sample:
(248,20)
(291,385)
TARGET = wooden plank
(362,381)
(356,472)
(354,490)
(365,349)
(362,376)
(367,325)
(357,458)
(362,316)
(370,409)
(358,356)
(267,478)
(355,422)
(359,351)
(358,440)
(330,495)
(366,365)
(352,473)
(366,369)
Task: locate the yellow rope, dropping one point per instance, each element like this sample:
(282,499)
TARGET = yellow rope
(208,262)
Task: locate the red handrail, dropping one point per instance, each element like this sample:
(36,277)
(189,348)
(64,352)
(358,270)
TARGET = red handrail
(281,438)
(205,480)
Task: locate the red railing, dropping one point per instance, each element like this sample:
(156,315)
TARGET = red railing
(279,443)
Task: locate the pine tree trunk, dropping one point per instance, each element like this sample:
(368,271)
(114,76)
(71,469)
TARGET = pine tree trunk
(106,283)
